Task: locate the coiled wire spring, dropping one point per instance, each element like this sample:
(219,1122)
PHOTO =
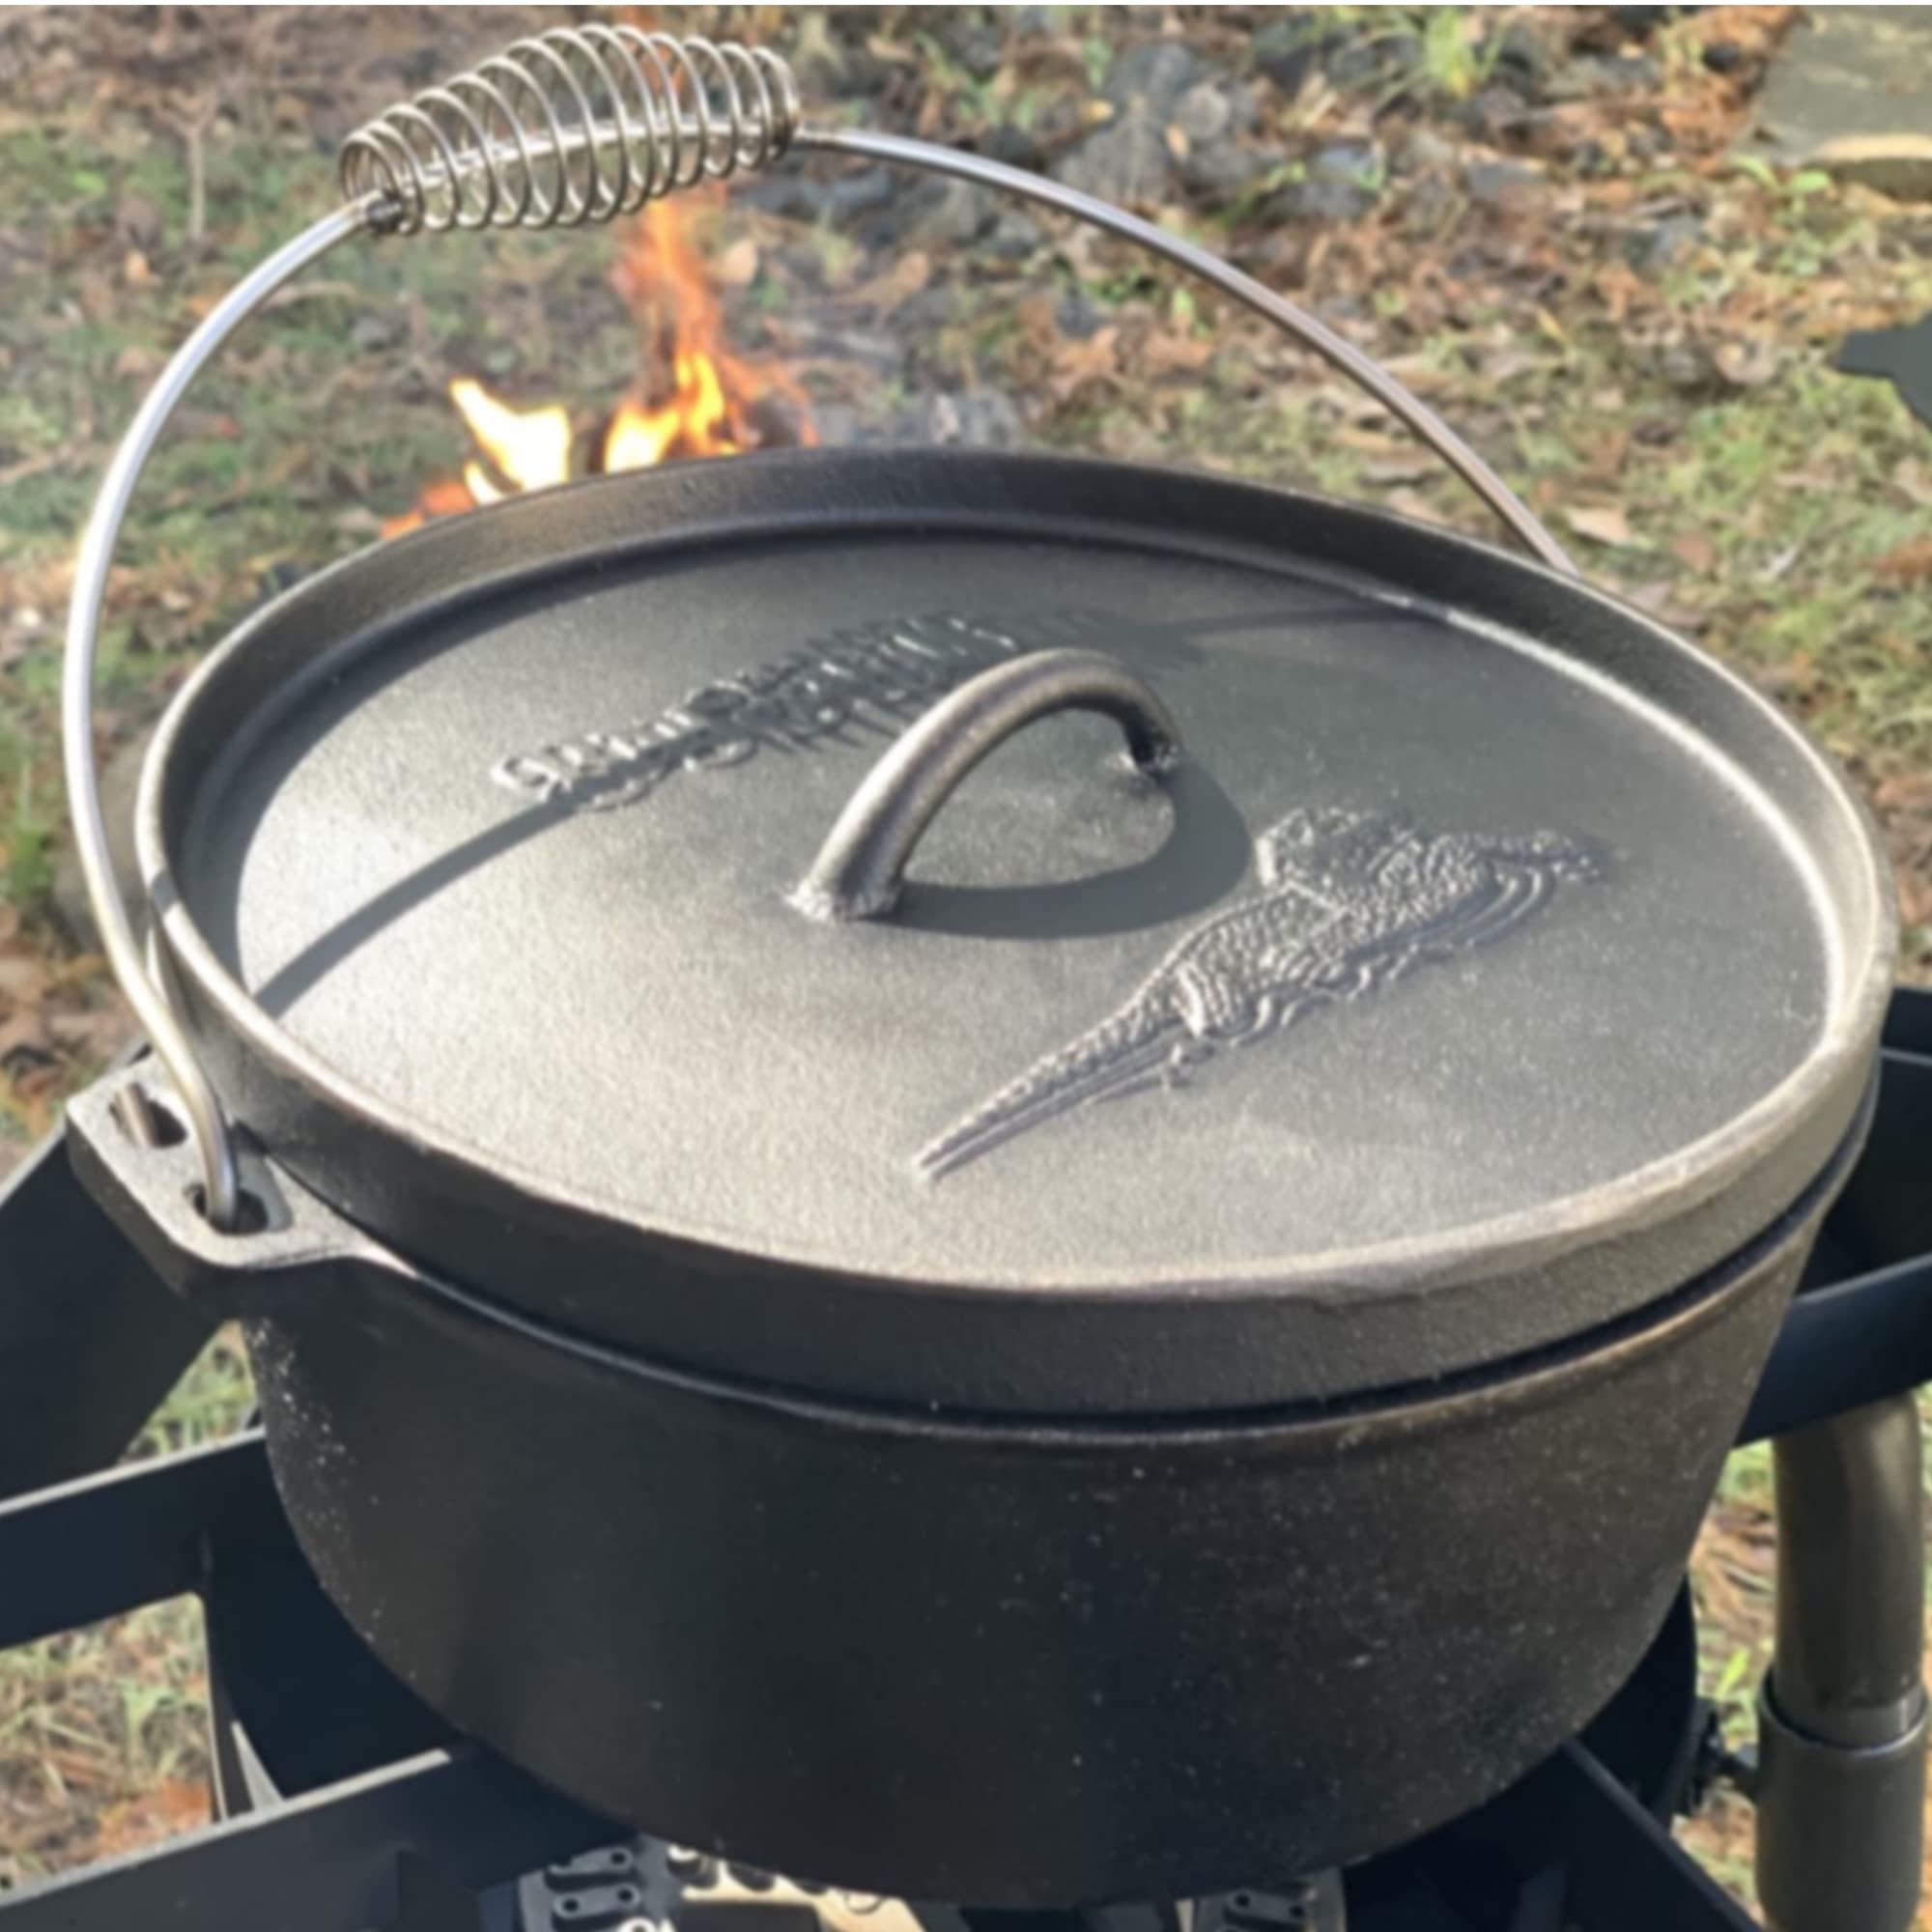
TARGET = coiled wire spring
(578,124)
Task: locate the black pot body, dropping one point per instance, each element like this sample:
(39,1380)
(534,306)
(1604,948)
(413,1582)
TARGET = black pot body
(989,1661)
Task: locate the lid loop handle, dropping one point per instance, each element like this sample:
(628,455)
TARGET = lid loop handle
(860,866)
(573,127)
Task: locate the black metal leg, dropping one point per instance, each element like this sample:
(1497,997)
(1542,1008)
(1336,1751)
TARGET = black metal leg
(1621,1869)
(90,1338)
(1841,1785)
(241,1784)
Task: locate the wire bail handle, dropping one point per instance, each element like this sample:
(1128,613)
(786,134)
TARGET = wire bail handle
(575,126)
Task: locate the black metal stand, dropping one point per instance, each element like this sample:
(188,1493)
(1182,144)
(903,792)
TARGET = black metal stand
(396,1847)
(1602,1862)
(89,1340)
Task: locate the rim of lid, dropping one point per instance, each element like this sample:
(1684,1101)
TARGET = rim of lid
(1516,1246)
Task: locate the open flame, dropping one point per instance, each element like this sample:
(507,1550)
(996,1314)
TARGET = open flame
(695,416)
(717,405)
(529,447)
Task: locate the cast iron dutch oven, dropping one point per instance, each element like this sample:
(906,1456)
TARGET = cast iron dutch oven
(1016,1179)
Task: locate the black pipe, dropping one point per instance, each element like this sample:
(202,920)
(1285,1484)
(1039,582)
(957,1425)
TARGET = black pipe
(1842,1713)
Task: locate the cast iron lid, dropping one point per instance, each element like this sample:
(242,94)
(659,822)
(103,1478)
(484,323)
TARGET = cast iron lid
(1489,963)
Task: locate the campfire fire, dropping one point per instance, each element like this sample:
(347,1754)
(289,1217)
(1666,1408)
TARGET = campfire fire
(716,403)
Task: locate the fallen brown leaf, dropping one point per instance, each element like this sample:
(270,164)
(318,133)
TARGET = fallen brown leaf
(163,1811)
(1745,364)
(1076,364)
(1166,350)
(1616,284)
(100,1034)
(1413,503)
(1904,791)
(736,266)
(1606,456)
(25,1038)
(896,286)
(1915,479)
(22,980)
(1604,524)
(1909,563)
(1694,552)
(1415,467)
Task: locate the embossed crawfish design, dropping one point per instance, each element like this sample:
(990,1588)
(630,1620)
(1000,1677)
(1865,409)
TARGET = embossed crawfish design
(1351,904)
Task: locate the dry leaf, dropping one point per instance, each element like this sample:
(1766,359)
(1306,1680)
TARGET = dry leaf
(1075,364)
(1418,373)
(1369,441)
(738,263)
(1413,503)
(1417,468)
(1745,364)
(1910,563)
(1915,479)
(1904,791)
(22,980)
(100,1031)
(1606,524)
(1697,552)
(163,1811)
(25,1036)
(1616,283)
(1039,319)
(898,285)
(1607,452)
(1168,350)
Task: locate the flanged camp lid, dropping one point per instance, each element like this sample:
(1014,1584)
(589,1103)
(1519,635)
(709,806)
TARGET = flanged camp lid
(1481,964)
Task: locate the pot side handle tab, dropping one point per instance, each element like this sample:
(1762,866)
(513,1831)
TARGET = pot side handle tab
(860,866)
(135,1155)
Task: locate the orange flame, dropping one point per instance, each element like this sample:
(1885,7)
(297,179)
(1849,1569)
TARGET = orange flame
(713,409)
(696,417)
(530,448)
